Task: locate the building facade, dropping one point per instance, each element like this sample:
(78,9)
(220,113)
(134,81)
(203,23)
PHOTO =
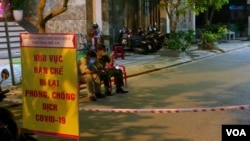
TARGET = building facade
(111,16)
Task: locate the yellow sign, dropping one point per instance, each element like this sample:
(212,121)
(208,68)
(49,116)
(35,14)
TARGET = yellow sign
(49,84)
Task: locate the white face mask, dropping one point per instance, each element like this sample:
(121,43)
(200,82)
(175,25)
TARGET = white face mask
(92,61)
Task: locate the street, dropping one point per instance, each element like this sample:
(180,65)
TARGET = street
(222,80)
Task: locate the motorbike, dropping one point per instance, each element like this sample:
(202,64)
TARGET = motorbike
(9,130)
(124,35)
(156,37)
(140,44)
(137,43)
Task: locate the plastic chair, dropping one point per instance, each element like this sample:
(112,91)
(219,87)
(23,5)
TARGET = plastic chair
(124,74)
(119,52)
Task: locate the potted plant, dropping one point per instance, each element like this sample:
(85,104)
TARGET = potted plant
(178,42)
(18,6)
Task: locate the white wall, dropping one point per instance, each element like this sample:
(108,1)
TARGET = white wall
(97,12)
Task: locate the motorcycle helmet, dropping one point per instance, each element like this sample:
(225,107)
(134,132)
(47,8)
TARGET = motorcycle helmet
(95,25)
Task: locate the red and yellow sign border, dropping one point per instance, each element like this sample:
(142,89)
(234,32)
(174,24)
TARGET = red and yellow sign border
(49,84)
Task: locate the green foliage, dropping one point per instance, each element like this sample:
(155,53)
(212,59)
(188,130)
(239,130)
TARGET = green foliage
(212,33)
(179,40)
(18,4)
(222,31)
(209,37)
(175,9)
(202,5)
(207,6)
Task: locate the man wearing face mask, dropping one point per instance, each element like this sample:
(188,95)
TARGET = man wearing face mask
(89,73)
(107,64)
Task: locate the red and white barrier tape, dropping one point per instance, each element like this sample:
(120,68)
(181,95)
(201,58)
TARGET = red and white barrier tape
(225,108)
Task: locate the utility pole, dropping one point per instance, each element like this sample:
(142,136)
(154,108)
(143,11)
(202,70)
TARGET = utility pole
(8,42)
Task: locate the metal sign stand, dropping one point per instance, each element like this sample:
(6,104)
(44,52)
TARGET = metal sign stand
(8,43)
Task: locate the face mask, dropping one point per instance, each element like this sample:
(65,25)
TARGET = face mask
(91,61)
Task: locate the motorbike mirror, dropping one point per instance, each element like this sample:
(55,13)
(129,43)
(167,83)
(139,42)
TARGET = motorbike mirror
(5,74)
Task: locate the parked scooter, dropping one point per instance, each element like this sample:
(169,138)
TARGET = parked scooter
(140,44)
(123,37)
(156,37)
(4,75)
(125,33)
(137,43)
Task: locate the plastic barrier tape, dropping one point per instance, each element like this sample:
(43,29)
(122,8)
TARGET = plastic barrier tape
(213,109)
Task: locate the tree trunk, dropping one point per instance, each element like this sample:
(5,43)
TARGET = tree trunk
(42,21)
(206,17)
(40,16)
(173,15)
(211,15)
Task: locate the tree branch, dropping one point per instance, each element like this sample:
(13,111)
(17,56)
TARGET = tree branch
(40,11)
(42,21)
(57,12)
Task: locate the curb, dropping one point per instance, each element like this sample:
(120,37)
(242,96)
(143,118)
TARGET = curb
(159,68)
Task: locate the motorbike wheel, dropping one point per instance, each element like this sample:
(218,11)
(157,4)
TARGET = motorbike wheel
(151,48)
(145,50)
(141,50)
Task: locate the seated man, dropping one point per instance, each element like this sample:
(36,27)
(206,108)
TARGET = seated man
(90,74)
(110,71)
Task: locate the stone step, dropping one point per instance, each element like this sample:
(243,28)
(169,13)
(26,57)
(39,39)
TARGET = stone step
(9,23)
(11,39)
(12,45)
(17,34)
(14,50)
(14,54)
(12,28)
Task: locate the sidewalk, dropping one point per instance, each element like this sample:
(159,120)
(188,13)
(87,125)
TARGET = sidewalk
(136,64)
